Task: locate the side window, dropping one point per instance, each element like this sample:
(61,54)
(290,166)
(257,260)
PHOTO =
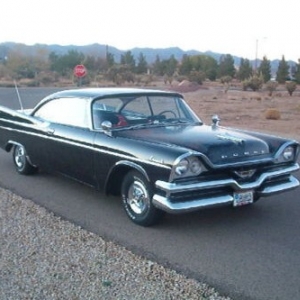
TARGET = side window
(106,110)
(66,111)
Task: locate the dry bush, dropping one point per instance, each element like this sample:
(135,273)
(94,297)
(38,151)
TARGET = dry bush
(291,87)
(272,114)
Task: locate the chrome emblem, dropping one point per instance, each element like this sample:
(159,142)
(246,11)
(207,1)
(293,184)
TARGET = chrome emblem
(245,174)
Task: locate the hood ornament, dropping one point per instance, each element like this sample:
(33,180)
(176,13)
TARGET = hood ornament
(215,121)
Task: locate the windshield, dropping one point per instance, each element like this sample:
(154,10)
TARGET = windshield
(142,110)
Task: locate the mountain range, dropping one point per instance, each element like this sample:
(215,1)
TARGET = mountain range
(101,50)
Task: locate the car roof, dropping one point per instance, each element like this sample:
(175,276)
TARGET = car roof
(94,93)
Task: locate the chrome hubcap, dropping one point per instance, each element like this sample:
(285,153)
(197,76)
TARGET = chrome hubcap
(20,156)
(137,197)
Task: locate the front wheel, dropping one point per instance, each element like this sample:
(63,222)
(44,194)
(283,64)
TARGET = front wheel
(21,161)
(137,200)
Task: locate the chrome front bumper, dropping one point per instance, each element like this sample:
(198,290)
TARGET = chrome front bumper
(262,187)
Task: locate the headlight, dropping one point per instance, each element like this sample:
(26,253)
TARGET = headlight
(182,167)
(288,153)
(187,166)
(195,166)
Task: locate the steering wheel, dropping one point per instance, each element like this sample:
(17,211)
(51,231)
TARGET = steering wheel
(166,112)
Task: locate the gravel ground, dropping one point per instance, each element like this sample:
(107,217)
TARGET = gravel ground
(45,257)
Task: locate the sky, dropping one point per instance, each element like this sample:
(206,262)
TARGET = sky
(246,28)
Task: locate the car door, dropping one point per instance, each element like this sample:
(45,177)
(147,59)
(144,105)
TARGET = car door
(69,142)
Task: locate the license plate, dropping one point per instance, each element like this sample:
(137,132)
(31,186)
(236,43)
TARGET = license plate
(244,198)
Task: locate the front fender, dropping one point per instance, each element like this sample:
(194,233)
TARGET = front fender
(9,145)
(121,168)
(132,165)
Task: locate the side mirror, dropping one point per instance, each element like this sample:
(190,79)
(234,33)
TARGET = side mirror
(106,126)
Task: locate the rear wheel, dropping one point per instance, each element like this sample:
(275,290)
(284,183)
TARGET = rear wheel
(137,200)
(21,161)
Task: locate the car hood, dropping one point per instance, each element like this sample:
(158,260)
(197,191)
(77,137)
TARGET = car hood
(219,144)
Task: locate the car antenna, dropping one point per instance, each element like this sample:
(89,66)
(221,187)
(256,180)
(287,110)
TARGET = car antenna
(19,98)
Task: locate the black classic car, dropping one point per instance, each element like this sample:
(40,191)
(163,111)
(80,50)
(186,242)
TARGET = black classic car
(150,148)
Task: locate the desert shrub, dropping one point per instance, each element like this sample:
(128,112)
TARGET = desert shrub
(291,87)
(196,76)
(181,78)
(272,114)
(245,84)
(271,86)
(255,83)
(146,79)
(29,82)
(47,78)
(168,79)
(226,81)
(9,84)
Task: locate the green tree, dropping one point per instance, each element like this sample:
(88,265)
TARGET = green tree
(110,60)
(166,67)
(265,69)
(186,65)
(142,65)
(65,64)
(90,63)
(199,63)
(226,66)
(297,72)
(245,70)
(128,60)
(157,66)
(210,67)
(171,66)
(282,71)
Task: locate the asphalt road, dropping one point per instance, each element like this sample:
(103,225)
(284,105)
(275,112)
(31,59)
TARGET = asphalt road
(248,253)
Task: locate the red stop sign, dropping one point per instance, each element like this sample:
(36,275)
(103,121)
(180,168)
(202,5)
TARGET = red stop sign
(79,71)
